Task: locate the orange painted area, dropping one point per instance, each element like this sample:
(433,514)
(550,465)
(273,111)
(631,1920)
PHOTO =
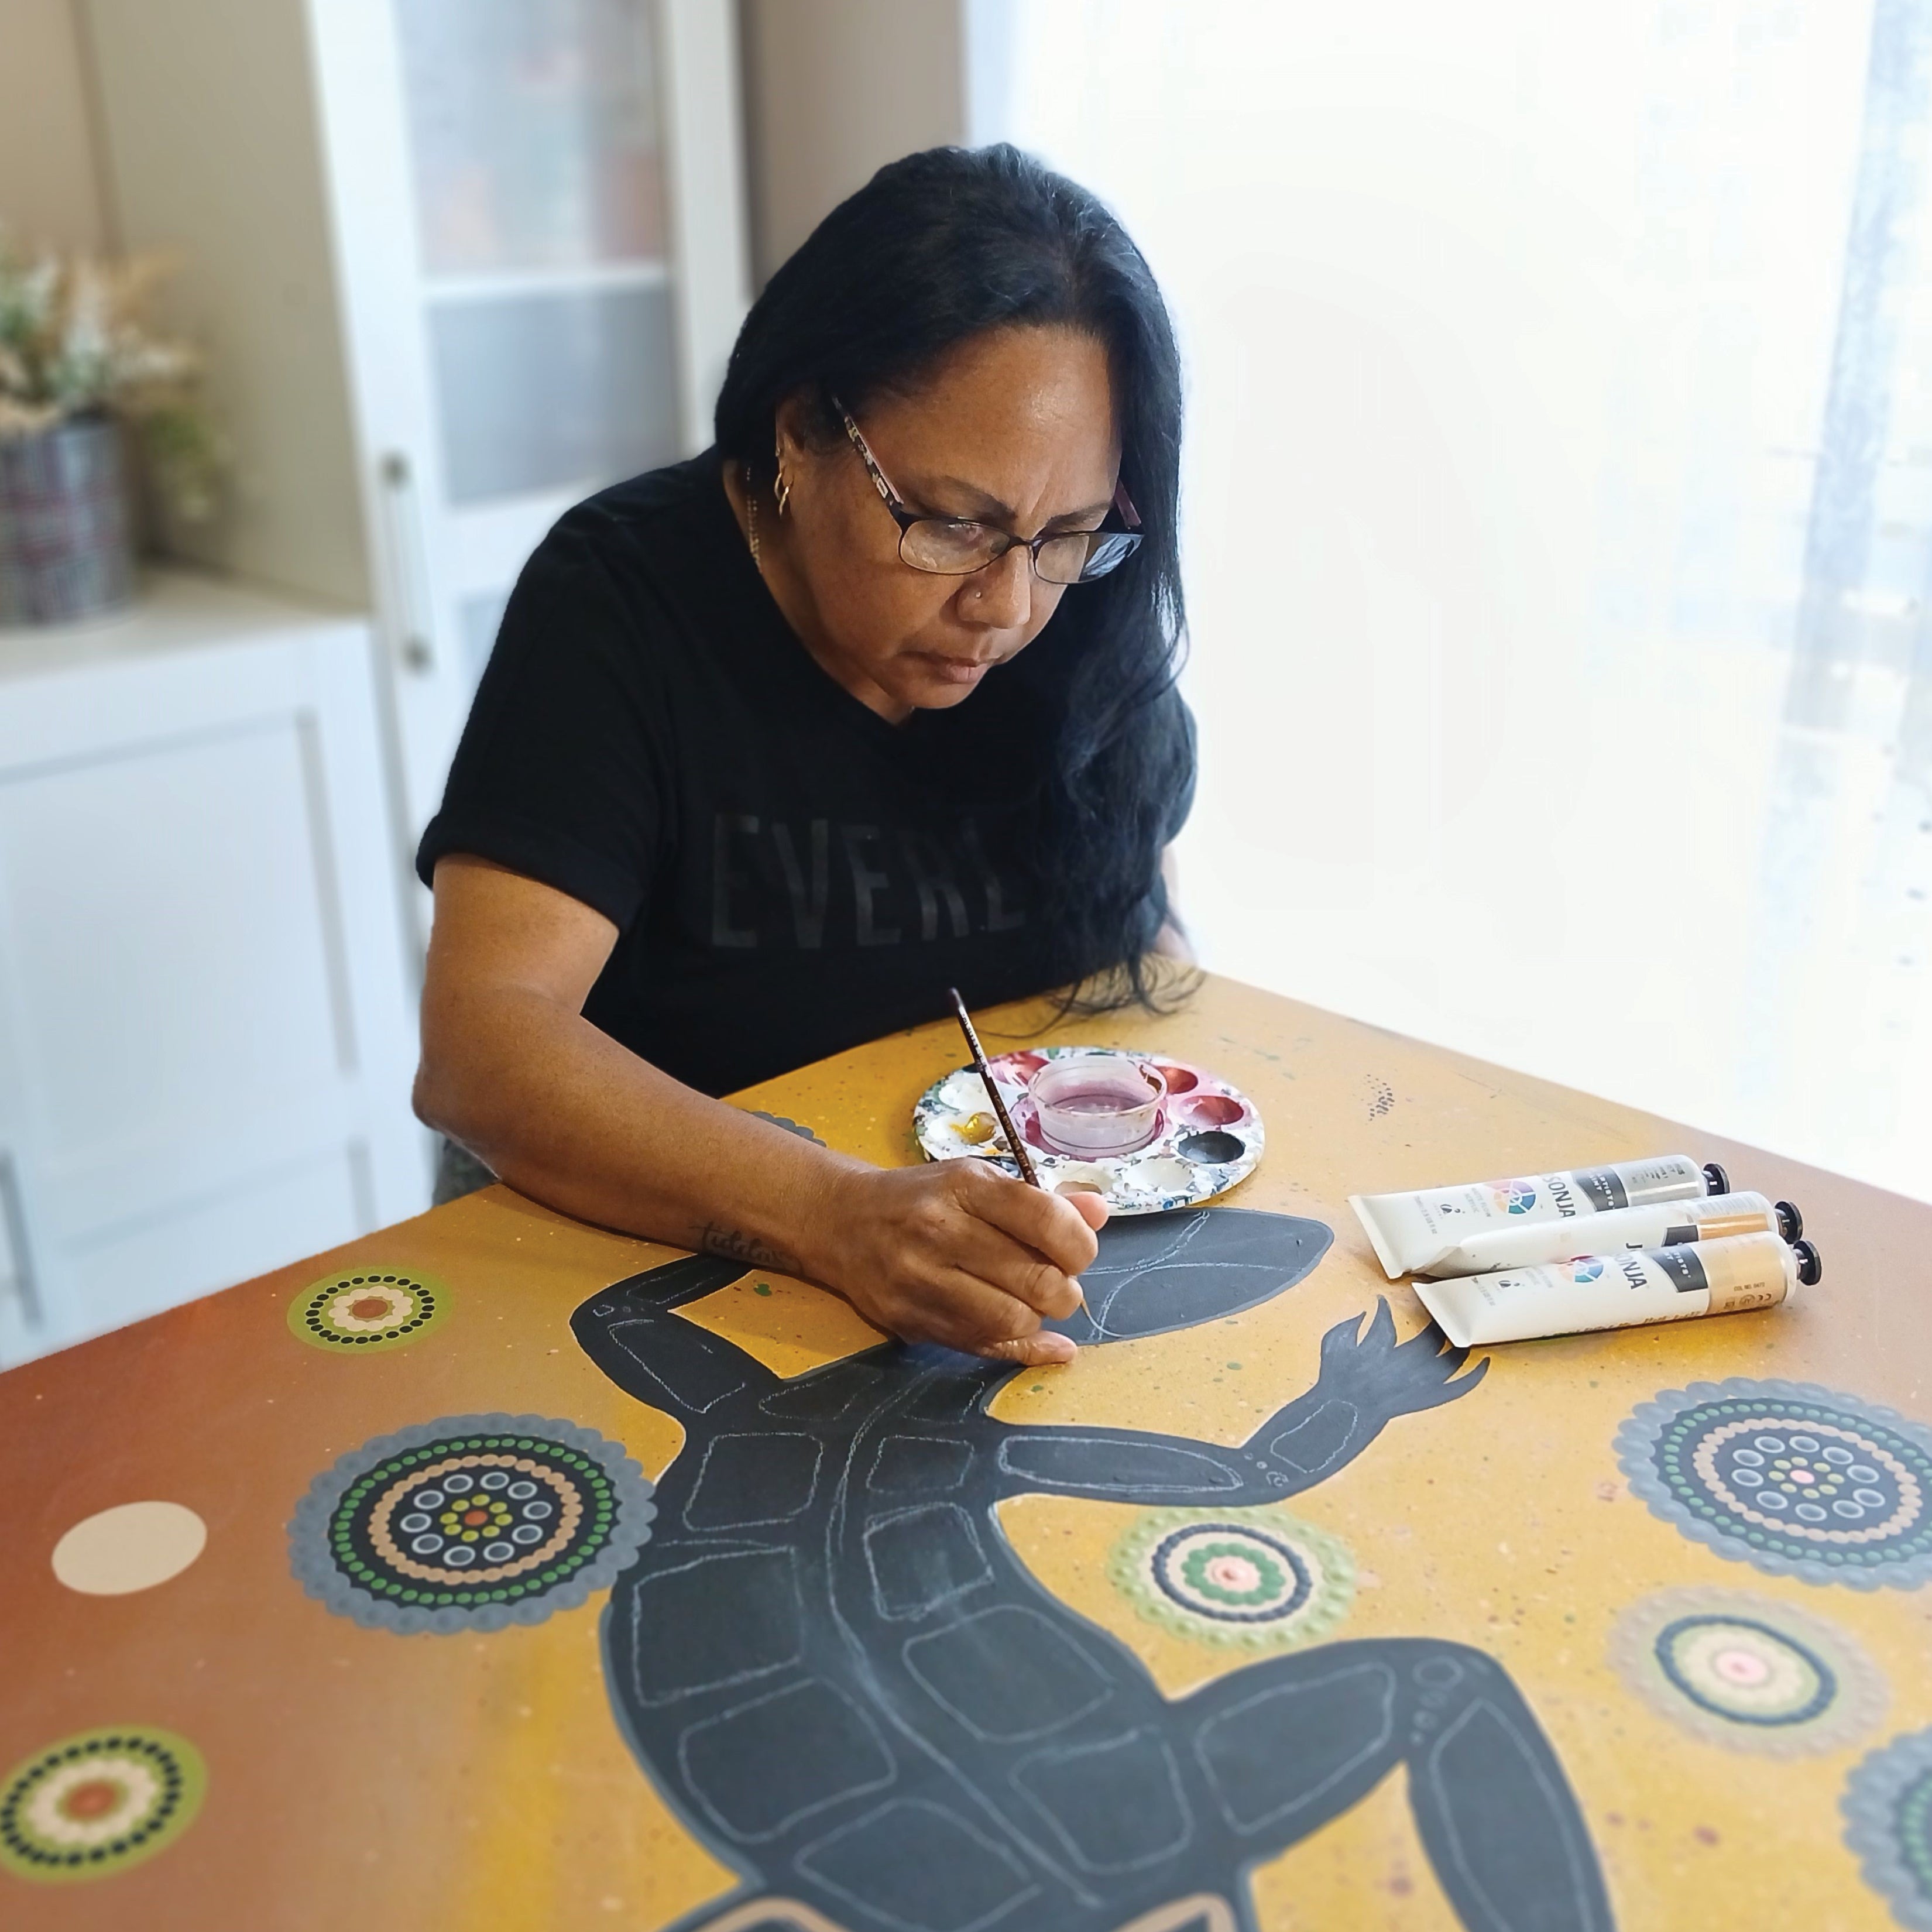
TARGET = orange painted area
(479,1784)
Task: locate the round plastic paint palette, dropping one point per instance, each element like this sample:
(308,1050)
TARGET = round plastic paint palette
(1208,1137)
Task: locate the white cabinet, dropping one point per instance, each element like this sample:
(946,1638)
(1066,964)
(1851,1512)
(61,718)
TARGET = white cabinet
(206,1041)
(458,264)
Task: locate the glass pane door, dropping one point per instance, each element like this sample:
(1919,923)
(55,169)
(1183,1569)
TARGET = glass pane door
(534,124)
(535,139)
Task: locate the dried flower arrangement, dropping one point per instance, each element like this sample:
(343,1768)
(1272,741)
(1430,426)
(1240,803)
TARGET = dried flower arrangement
(73,342)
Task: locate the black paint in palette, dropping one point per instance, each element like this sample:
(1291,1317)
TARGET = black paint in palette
(1210,1149)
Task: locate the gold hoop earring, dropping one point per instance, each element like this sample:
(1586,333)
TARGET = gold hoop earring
(780,482)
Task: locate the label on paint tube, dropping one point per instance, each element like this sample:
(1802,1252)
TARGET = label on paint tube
(1615,1291)
(1413,1232)
(1657,1224)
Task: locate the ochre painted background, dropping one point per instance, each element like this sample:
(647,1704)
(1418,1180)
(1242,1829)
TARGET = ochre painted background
(468,1783)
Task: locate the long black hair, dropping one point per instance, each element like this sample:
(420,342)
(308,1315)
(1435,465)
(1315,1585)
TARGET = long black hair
(938,248)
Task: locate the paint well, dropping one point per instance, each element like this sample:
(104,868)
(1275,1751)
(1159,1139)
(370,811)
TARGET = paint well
(1211,1149)
(1211,1110)
(1150,1178)
(1074,1179)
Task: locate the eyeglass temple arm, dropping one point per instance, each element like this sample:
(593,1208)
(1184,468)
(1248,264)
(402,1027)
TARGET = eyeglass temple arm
(887,494)
(1124,504)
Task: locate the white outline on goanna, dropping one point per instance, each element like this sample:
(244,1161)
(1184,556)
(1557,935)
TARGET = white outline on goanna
(909,1407)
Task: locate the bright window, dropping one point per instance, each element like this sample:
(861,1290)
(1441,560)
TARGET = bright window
(1558,521)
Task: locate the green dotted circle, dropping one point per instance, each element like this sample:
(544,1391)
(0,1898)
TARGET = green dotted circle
(1679,1442)
(311,1318)
(53,1828)
(1273,1582)
(1237,1617)
(599,1512)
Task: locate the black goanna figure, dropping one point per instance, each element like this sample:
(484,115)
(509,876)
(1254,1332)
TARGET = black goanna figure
(838,1673)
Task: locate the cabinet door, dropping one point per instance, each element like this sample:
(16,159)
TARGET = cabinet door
(510,180)
(201,980)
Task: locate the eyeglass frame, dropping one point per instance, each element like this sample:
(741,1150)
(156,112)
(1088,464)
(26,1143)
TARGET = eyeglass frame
(905,518)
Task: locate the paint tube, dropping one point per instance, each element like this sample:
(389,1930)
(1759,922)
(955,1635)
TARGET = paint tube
(1657,1224)
(1413,1232)
(1719,1277)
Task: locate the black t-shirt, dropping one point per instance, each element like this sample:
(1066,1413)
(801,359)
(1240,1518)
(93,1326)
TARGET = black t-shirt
(789,874)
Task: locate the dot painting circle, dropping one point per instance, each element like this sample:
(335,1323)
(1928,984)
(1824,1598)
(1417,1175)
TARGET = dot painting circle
(1747,1672)
(367,1310)
(1797,1479)
(1887,1812)
(1258,1578)
(473,1523)
(95,1803)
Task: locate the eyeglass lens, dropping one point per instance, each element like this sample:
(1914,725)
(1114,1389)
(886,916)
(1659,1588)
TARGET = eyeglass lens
(949,549)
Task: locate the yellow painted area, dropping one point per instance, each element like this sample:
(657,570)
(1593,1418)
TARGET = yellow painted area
(788,1325)
(532,1714)
(1502,1521)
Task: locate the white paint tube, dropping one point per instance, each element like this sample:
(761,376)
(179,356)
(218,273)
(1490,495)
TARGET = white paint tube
(1411,1233)
(1657,1224)
(1719,1277)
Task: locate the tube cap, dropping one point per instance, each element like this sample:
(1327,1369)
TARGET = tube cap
(1810,1263)
(1716,1180)
(1790,1223)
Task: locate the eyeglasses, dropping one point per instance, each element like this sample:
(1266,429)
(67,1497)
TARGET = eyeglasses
(958,546)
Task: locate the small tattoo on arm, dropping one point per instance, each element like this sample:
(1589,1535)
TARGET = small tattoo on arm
(734,1245)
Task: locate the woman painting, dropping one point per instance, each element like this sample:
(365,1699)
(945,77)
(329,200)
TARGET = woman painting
(873,698)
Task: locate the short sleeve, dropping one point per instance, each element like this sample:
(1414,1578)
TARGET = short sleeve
(562,772)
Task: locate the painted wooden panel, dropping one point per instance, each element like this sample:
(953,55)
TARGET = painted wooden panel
(1538,1652)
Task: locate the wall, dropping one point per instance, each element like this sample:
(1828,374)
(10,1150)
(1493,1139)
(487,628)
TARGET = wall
(834,89)
(210,150)
(49,186)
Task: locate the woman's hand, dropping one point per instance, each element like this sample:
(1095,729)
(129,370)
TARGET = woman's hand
(958,1253)
(953,1252)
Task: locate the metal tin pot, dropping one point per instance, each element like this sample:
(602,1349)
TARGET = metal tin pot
(66,539)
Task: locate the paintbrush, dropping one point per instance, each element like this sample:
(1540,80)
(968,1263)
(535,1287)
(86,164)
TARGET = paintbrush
(1014,1144)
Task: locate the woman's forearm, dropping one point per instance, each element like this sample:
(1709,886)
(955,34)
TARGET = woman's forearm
(565,1115)
(954,1252)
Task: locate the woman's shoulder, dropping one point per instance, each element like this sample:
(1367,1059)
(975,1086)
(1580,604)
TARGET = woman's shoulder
(664,525)
(629,589)
(652,571)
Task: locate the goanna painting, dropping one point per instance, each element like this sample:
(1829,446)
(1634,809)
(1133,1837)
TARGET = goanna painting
(828,1659)
(1273,1612)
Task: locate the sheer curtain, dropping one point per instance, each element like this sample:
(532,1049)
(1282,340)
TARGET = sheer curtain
(1557,496)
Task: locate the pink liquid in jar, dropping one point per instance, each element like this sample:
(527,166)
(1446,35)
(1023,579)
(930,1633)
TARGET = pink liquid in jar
(1097,1103)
